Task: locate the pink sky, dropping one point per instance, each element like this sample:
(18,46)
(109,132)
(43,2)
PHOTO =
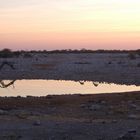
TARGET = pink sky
(75,24)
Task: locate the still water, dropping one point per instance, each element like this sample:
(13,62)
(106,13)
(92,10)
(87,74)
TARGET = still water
(57,87)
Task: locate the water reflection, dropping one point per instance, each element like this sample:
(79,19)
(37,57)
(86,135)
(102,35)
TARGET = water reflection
(49,87)
(6,85)
(82,82)
(94,83)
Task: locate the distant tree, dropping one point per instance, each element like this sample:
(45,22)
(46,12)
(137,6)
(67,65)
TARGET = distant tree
(138,52)
(17,53)
(5,53)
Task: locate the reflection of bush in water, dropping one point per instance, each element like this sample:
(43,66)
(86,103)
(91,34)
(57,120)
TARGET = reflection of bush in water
(94,83)
(3,85)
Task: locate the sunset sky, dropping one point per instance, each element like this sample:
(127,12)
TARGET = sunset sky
(69,24)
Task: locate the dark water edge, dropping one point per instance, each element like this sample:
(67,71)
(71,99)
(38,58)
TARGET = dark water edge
(108,80)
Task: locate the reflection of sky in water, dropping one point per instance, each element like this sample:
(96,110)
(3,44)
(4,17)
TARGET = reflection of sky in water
(45,87)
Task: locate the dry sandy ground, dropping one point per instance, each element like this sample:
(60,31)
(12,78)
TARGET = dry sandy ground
(71,117)
(116,68)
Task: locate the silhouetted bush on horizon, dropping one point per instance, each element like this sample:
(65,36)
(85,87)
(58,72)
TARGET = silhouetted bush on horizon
(86,51)
(5,53)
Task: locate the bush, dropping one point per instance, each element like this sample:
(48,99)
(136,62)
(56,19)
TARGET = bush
(132,56)
(27,55)
(138,65)
(5,53)
(138,52)
(17,53)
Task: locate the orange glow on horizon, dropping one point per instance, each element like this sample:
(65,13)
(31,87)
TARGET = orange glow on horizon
(70,24)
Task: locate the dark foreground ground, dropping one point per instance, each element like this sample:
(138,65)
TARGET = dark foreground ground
(71,117)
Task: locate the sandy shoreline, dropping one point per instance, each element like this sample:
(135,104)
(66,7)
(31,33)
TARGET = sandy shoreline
(71,117)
